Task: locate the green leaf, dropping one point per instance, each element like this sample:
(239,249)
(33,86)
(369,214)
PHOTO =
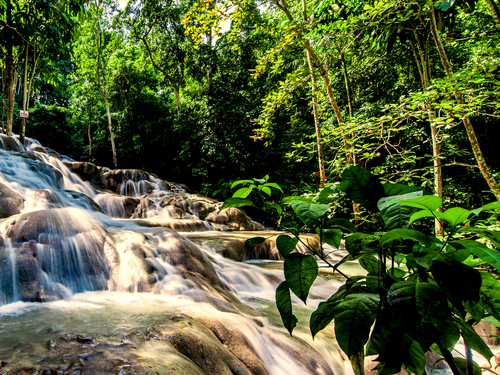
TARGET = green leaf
(300,272)
(235,183)
(343,224)
(490,256)
(462,366)
(325,312)
(418,358)
(357,244)
(394,214)
(293,199)
(242,193)
(273,185)
(406,234)
(254,241)
(400,189)
(324,194)
(354,316)
(286,244)
(371,264)
(425,213)
(474,340)
(236,202)
(284,304)
(266,190)
(490,294)
(486,207)
(309,213)
(362,187)
(456,215)
(332,237)
(427,202)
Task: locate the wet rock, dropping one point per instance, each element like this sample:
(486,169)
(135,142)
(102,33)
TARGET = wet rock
(10,202)
(50,198)
(234,218)
(87,172)
(10,143)
(488,332)
(37,148)
(114,179)
(52,175)
(28,272)
(84,201)
(202,350)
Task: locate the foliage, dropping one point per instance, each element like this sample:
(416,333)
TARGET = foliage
(419,292)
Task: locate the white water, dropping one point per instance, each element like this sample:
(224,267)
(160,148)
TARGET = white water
(105,278)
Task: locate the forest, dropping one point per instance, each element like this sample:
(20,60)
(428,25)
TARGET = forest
(373,124)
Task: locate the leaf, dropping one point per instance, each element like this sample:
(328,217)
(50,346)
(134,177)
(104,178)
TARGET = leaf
(406,234)
(254,241)
(300,272)
(490,256)
(427,202)
(273,185)
(309,213)
(290,200)
(490,294)
(456,215)
(362,187)
(325,312)
(357,243)
(418,358)
(332,237)
(235,183)
(286,244)
(236,202)
(400,189)
(474,340)
(394,214)
(341,224)
(354,316)
(324,194)
(242,193)
(266,190)
(371,264)
(284,304)
(486,207)
(461,364)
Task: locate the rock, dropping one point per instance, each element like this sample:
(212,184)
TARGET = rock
(84,201)
(53,175)
(116,179)
(87,172)
(488,331)
(10,202)
(37,148)
(27,270)
(10,143)
(49,198)
(234,218)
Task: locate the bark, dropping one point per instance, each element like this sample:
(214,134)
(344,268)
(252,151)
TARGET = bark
(492,7)
(89,133)
(9,64)
(322,175)
(177,100)
(347,85)
(25,94)
(111,133)
(281,4)
(483,166)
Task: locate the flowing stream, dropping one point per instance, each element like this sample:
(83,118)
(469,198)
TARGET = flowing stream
(129,273)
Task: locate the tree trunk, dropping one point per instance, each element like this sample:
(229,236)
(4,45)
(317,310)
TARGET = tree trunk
(322,175)
(89,133)
(347,85)
(9,64)
(25,95)
(492,7)
(111,133)
(483,166)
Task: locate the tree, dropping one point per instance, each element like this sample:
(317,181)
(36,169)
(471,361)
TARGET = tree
(94,53)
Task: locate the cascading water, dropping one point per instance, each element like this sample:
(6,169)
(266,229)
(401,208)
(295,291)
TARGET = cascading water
(125,296)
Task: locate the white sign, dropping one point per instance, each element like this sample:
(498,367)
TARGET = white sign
(24,114)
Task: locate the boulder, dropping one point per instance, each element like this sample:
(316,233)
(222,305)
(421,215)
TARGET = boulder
(11,203)
(235,219)
(10,143)
(87,172)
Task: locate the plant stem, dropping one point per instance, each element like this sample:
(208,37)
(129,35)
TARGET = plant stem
(449,359)
(468,357)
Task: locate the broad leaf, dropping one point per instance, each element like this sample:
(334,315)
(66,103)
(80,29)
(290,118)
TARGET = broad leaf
(239,182)
(490,294)
(286,244)
(236,202)
(426,213)
(461,364)
(486,207)
(394,214)
(362,187)
(474,340)
(371,264)
(406,234)
(284,304)
(343,224)
(242,193)
(300,272)
(292,199)
(273,185)
(400,189)
(427,202)
(418,358)
(325,193)
(354,316)
(357,244)
(332,237)
(491,256)
(325,312)
(265,189)
(309,213)
(456,215)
